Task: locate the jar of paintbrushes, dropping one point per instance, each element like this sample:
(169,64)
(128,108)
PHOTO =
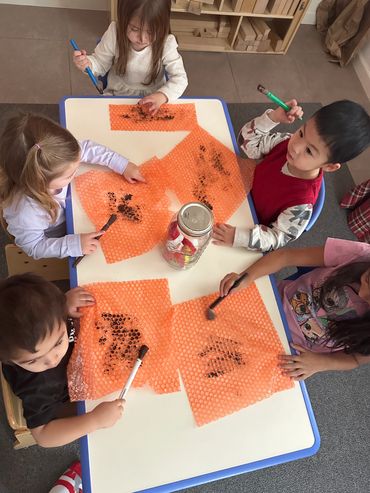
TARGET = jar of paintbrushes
(188,234)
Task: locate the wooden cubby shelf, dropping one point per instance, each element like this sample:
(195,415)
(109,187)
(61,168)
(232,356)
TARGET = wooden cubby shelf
(237,26)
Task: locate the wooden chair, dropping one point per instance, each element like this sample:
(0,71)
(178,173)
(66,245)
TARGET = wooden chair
(52,269)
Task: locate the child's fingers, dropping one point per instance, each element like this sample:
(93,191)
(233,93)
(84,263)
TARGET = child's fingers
(139,177)
(292,103)
(226,283)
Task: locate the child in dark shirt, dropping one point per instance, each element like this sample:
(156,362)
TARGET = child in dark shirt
(36,342)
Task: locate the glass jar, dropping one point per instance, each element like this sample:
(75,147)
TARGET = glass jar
(188,235)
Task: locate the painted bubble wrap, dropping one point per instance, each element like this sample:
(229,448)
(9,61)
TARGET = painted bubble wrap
(231,362)
(141,208)
(169,118)
(202,169)
(126,316)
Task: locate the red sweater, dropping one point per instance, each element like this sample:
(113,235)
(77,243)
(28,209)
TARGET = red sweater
(273,191)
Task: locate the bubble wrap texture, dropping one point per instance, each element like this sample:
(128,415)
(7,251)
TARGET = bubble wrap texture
(200,168)
(126,316)
(141,208)
(169,118)
(230,362)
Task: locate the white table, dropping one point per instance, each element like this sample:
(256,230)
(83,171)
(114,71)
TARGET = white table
(156,445)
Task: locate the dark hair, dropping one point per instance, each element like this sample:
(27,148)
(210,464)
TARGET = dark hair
(344,126)
(156,15)
(352,335)
(30,307)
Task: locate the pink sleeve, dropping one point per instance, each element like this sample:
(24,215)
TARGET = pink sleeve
(338,252)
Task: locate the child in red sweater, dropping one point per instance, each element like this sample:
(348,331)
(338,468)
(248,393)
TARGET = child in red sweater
(288,179)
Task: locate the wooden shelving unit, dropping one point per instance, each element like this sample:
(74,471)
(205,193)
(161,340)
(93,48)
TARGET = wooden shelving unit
(237,26)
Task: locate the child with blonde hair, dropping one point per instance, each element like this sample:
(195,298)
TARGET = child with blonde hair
(38,160)
(140,54)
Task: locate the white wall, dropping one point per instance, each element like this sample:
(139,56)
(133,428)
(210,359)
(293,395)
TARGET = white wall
(65,4)
(310,16)
(362,66)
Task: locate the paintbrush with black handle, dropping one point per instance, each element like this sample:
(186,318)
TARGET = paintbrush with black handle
(106,226)
(210,314)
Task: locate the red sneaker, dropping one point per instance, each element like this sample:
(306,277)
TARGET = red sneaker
(70,481)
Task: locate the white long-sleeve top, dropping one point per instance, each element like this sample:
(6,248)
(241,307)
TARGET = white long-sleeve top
(138,67)
(31,225)
(256,141)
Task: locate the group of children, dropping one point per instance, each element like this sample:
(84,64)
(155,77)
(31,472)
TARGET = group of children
(327,309)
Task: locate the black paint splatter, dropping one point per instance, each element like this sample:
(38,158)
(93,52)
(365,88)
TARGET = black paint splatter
(131,212)
(122,339)
(224,356)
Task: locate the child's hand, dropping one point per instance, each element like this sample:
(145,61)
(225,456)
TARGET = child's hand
(76,298)
(153,102)
(281,116)
(303,365)
(106,414)
(223,234)
(228,281)
(80,60)
(89,241)
(132,173)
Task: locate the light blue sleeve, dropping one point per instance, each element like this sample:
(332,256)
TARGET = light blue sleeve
(94,153)
(29,223)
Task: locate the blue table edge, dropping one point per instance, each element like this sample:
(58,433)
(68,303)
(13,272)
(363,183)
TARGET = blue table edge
(216,475)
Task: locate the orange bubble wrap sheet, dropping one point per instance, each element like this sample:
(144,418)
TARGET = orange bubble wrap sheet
(200,168)
(169,118)
(126,315)
(141,208)
(231,362)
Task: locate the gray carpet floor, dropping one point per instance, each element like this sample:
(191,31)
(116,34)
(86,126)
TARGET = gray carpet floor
(340,400)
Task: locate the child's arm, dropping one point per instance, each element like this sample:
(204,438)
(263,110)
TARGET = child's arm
(289,225)
(28,222)
(94,153)
(273,262)
(103,57)
(65,430)
(255,138)
(306,363)
(177,78)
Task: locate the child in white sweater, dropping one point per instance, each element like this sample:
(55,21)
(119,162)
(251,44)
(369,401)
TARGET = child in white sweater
(140,53)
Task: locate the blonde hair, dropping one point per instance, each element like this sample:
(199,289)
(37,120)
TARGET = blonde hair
(153,13)
(34,150)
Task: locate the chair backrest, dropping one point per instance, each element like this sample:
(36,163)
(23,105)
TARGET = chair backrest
(317,208)
(51,269)
(299,273)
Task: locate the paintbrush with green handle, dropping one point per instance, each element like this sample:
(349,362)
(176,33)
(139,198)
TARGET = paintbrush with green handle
(274,98)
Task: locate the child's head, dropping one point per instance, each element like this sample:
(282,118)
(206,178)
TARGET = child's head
(37,156)
(336,133)
(352,334)
(141,23)
(33,315)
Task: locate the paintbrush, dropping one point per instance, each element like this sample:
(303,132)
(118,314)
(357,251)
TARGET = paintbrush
(87,69)
(274,98)
(106,226)
(142,352)
(210,314)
